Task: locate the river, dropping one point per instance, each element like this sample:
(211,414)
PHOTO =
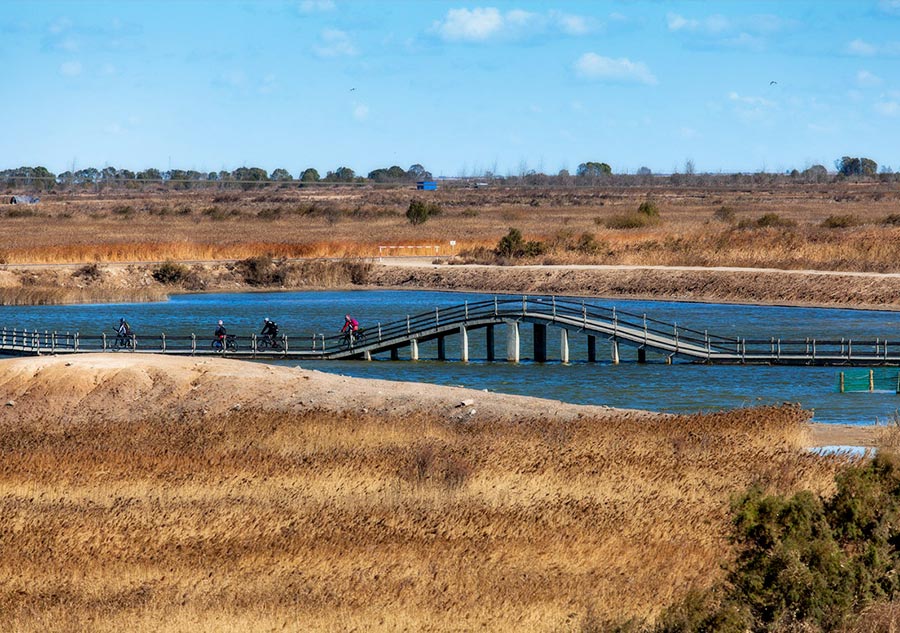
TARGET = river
(681,387)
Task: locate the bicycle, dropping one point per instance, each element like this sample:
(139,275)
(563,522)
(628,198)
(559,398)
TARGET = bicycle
(230,344)
(266,342)
(122,341)
(352,339)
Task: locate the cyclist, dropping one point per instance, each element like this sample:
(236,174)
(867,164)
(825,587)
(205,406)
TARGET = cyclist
(219,340)
(123,333)
(269,331)
(351,328)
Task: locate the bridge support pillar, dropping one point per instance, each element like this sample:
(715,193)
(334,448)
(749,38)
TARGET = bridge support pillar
(414,350)
(489,341)
(564,345)
(442,348)
(592,348)
(540,343)
(395,353)
(642,355)
(367,355)
(463,344)
(512,341)
(615,352)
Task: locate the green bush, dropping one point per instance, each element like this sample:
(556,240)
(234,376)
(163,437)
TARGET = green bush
(419,211)
(170,273)
(649,208)
(513,245)
(840,221)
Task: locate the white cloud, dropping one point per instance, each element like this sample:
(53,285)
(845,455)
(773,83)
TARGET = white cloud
(868,80)
(483,24)
(70,69)
(862,48)
(753,101)
(316,6)
(711,25)
(890,6)
(361,112)
(334,43)
(593,66)
(888,108)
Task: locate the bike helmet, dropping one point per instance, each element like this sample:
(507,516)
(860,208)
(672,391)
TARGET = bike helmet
(266,320)
(122,320)
(220,322)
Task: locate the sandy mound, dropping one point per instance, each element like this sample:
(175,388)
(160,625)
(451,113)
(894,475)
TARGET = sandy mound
(121,386)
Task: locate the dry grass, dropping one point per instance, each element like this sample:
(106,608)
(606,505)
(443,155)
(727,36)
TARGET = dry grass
(310,521)
(692,229)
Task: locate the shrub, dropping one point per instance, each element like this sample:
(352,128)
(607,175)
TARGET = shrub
(262,271)
(773,219)
(170,273)
(840,221)
(724,214)
(588,245)
(893,219)
(513,245)
(628,221)
(649,208)
(419,211)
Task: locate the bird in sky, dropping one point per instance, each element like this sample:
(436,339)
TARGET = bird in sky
(352,89)
(772,83)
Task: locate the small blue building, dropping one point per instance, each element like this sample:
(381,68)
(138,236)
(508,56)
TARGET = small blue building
(426,185)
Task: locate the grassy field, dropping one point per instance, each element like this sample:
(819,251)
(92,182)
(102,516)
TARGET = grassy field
(319,521)
(840,226)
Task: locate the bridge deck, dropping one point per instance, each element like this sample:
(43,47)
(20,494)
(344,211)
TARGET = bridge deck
(598,322)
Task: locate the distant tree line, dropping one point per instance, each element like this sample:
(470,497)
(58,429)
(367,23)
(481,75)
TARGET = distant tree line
(589,173)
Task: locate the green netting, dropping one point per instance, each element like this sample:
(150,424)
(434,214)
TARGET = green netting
(877,379)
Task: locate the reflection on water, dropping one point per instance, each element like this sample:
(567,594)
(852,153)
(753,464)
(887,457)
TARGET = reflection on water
(656,386)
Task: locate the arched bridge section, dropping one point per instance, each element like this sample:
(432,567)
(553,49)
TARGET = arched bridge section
(562,316)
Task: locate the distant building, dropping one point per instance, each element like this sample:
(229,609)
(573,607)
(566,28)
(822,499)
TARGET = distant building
(426,185)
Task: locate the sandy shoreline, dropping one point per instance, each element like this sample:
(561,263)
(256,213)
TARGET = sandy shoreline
(117,387)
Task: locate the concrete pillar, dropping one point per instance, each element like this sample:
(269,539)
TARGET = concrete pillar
(564,345)
(395,353)
(615,351)
(592,348)
(442,348)
(512,341)
(540,343)
(414,350)
(463,344)
(367,355)
(489,341)
(642,355)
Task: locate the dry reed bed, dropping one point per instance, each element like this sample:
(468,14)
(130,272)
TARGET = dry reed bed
(321,521)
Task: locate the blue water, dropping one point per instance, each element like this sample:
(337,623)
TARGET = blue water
(655,385)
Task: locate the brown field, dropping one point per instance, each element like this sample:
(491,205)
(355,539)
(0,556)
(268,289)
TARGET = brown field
(141,497)
(708,226)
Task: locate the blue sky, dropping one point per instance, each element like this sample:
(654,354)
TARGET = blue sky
(461,87)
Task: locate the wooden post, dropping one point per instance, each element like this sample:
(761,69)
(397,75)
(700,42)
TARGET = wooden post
(842,381)
(104,341)
(164,342)
(193,343)
(871,380)
(489,339)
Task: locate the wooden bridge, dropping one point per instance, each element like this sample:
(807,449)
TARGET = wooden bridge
(666,342)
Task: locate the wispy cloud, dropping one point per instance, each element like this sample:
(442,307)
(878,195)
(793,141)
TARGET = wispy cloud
(862,48)
(865,79)
(316,6)
(70,69)
(621,70)
(746,32)
(334,43)
(888,108)
(484,24)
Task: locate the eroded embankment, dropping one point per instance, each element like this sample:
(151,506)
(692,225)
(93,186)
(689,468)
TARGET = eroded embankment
(708,285)
(165,494)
